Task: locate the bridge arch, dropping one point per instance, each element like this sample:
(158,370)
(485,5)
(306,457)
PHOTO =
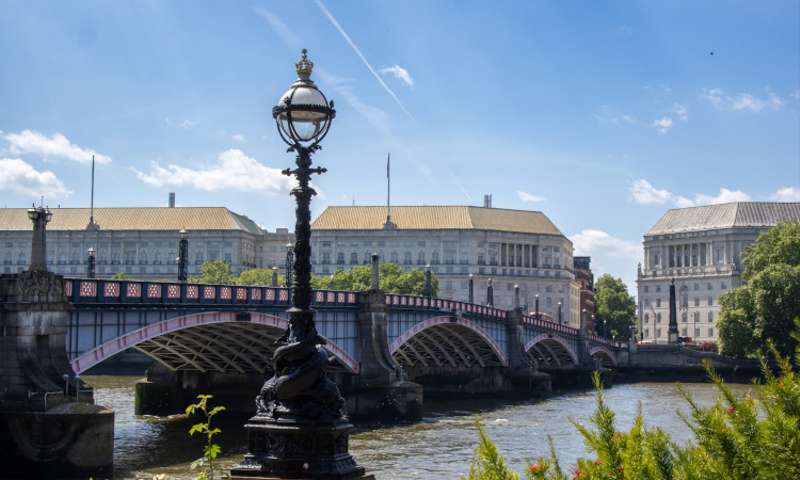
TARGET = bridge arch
(447,342)
(550,351)
(603,355)
(240,342)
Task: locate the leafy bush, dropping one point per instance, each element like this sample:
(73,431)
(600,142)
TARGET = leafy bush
(736,438)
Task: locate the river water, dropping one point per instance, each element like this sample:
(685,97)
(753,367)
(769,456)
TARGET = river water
(440,446)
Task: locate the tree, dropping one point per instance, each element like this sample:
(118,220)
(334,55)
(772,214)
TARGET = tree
(215,272)
(119,276)
(616,309)
(393,279)
(764,308)
(259,276)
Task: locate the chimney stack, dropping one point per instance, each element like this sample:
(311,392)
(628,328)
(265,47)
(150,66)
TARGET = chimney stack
(171,199)
(487,200)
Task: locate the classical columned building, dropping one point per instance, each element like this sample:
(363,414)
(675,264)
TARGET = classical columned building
(139,242)
(510,247)
(701,248)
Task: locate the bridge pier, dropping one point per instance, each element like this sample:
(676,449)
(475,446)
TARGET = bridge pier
(49,425)
(381,390)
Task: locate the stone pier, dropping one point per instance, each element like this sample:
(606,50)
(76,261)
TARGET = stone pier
(49,424)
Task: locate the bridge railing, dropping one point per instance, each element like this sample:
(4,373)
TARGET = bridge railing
(607,341)
(549,325)
(83,291)
(419,302)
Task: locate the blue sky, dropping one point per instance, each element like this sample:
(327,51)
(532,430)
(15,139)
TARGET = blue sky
(601,114)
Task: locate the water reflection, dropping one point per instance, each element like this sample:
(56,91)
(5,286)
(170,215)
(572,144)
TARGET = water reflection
(440,446)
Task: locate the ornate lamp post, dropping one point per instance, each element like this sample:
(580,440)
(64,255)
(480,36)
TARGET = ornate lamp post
(300,429)
(183,256)
(274,276)
(471,291)
(40,216)
(90,262)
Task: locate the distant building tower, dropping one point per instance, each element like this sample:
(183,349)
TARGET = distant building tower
(171,199)
(585,277)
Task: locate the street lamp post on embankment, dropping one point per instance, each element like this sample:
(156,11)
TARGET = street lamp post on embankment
(300,429)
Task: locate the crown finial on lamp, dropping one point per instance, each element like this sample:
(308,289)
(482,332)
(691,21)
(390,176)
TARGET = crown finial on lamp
(304,66)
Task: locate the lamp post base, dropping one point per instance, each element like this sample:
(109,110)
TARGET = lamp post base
(287,449)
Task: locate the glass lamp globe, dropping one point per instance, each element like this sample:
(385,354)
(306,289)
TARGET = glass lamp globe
(303,114)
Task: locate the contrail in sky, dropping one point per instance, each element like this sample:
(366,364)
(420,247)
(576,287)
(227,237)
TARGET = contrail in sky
(361,56)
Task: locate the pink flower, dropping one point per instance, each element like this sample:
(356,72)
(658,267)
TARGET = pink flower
(731,410)
(534,468)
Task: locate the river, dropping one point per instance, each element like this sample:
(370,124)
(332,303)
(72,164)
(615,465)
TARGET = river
(439,446)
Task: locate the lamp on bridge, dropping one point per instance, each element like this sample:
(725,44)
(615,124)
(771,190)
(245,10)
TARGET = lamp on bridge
(90,262)
(289,264)
(183,256)
(300,429)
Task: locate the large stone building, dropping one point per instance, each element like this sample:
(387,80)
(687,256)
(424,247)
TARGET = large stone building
(701,248)
(512,247)
(139,242)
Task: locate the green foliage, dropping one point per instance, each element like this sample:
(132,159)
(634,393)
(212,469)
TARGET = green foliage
(616,309)
(119,276)
(205,464)
(764,308)
(259,276)
(393,279)
(736,438)
(215,272)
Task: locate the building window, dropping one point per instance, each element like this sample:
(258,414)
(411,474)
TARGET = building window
(646,302)
(696,286)
(696,331)
(326,257)
(435,258)
(658,288)
(684,317)
(646,332)
(421,258)
(710,331)
(696,317)
(658,332)
(658,302)
(340,258)
(723,286)
(353,258)
(407,258)
(646,317)
(658,317)
(710,301)
(395,258)
(710,287)
(710,317)
(646,288)
(696,301)
(683,331)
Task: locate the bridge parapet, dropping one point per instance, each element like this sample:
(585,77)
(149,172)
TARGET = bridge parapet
(86,291)
(426,303)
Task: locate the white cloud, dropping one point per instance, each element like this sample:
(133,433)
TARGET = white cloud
(680,111)
(20,177)
(663,124)
(233,171)
(592,242)
(787,194)
(238,137)
(529,197)
(360,55)
(645,193)
(610,255)
(742,102)
(288,37)
(399,73)
(29,142)
(724,196)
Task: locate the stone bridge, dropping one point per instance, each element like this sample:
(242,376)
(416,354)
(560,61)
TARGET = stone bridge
(196,333)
